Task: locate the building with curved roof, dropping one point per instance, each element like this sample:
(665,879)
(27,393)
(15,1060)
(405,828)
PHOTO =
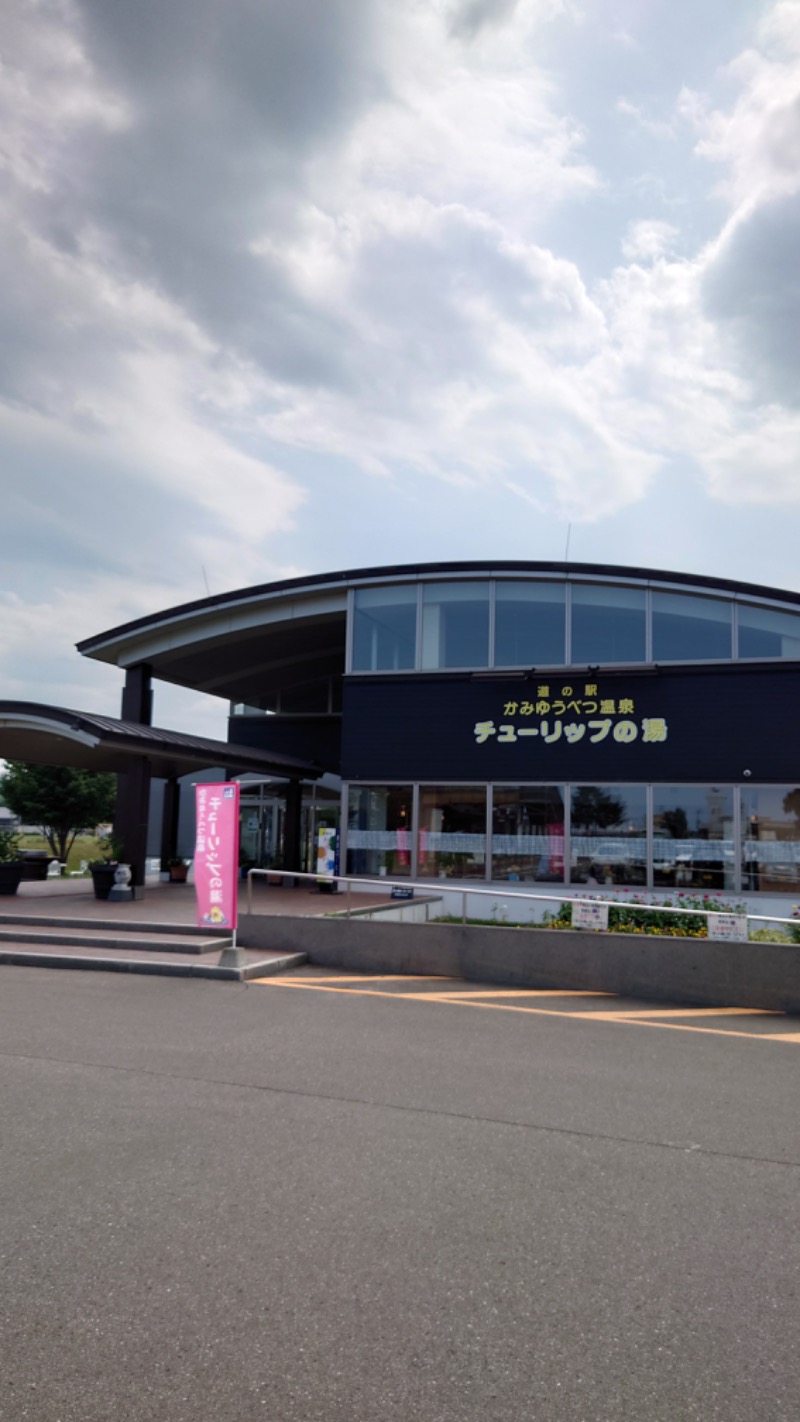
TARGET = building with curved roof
(539,723)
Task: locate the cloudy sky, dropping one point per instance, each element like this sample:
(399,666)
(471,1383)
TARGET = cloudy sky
(290,285)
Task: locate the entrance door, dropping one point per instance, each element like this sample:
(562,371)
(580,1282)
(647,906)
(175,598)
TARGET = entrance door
(317,816)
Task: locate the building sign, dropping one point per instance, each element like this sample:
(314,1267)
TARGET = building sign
(216,854)
(660,724)
(728,925)
(564,711)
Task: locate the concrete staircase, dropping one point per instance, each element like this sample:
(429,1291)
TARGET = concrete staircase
(111,933)
(116,944)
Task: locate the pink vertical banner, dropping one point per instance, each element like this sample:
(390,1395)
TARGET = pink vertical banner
(216,854)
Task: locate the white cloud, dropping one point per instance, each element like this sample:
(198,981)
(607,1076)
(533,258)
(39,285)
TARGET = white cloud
(340,245)
(649,239)
(749,285)
(655,128)
(756,140)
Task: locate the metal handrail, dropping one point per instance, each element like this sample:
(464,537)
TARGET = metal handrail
(428,886)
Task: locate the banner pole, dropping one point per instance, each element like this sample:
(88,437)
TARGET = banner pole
(216,877)
(232,957)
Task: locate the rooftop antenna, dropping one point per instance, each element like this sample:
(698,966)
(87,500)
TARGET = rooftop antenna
(566,550)
(205,580)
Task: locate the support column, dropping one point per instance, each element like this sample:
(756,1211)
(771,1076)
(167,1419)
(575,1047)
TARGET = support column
(169,822)
(292,826)
(130,820)
(137,695)
(133,786)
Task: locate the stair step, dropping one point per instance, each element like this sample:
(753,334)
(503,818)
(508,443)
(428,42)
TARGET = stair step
(189,968)
(117,925)
(161,941)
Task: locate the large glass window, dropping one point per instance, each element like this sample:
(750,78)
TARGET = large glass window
(609,834)
(608,624)
(693,837)
(529,624)
(770,838)
(528,834)
(452,831)
(690,629)
(693,844)
(379,830)
(385,628)
(455,625)
(766,632)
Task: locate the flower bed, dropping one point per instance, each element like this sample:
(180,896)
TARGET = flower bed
(651,918)
(625,916)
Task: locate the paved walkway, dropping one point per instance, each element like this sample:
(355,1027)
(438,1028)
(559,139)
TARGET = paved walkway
(169,903)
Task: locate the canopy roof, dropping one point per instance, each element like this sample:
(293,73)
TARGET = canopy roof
(53,735)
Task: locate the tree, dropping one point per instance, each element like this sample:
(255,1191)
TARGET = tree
(61,801)
(674,823)
(595,809)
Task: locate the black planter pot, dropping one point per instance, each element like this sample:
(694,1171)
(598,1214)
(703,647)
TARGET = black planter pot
(34,864)
(103,877)
(10,876)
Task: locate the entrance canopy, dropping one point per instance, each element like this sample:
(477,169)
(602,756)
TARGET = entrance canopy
(53,735)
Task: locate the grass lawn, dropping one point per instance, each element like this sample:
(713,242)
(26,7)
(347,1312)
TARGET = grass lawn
(86,846)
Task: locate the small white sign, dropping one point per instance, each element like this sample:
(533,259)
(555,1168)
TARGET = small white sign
(728,925)
(588,915)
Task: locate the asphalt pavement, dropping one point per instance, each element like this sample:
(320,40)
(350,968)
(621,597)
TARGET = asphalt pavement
(323,1198)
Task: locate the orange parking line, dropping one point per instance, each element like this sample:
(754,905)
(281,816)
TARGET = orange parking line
(713,1031)
(531,992)
(620,1018)
(436,978)
(316,986)
(624,1020)
(374,978)
(689,1012)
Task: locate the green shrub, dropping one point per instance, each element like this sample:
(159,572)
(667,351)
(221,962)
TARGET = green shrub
(9,846)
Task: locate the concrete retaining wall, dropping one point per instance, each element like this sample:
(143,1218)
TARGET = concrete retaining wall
(690,970)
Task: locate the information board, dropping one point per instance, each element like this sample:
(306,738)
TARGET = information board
(728,925)
(589,915)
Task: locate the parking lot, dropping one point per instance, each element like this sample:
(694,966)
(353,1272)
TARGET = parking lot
(335,1197)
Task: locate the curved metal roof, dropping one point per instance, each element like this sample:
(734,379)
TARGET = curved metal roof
(94,646)
(237,644)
